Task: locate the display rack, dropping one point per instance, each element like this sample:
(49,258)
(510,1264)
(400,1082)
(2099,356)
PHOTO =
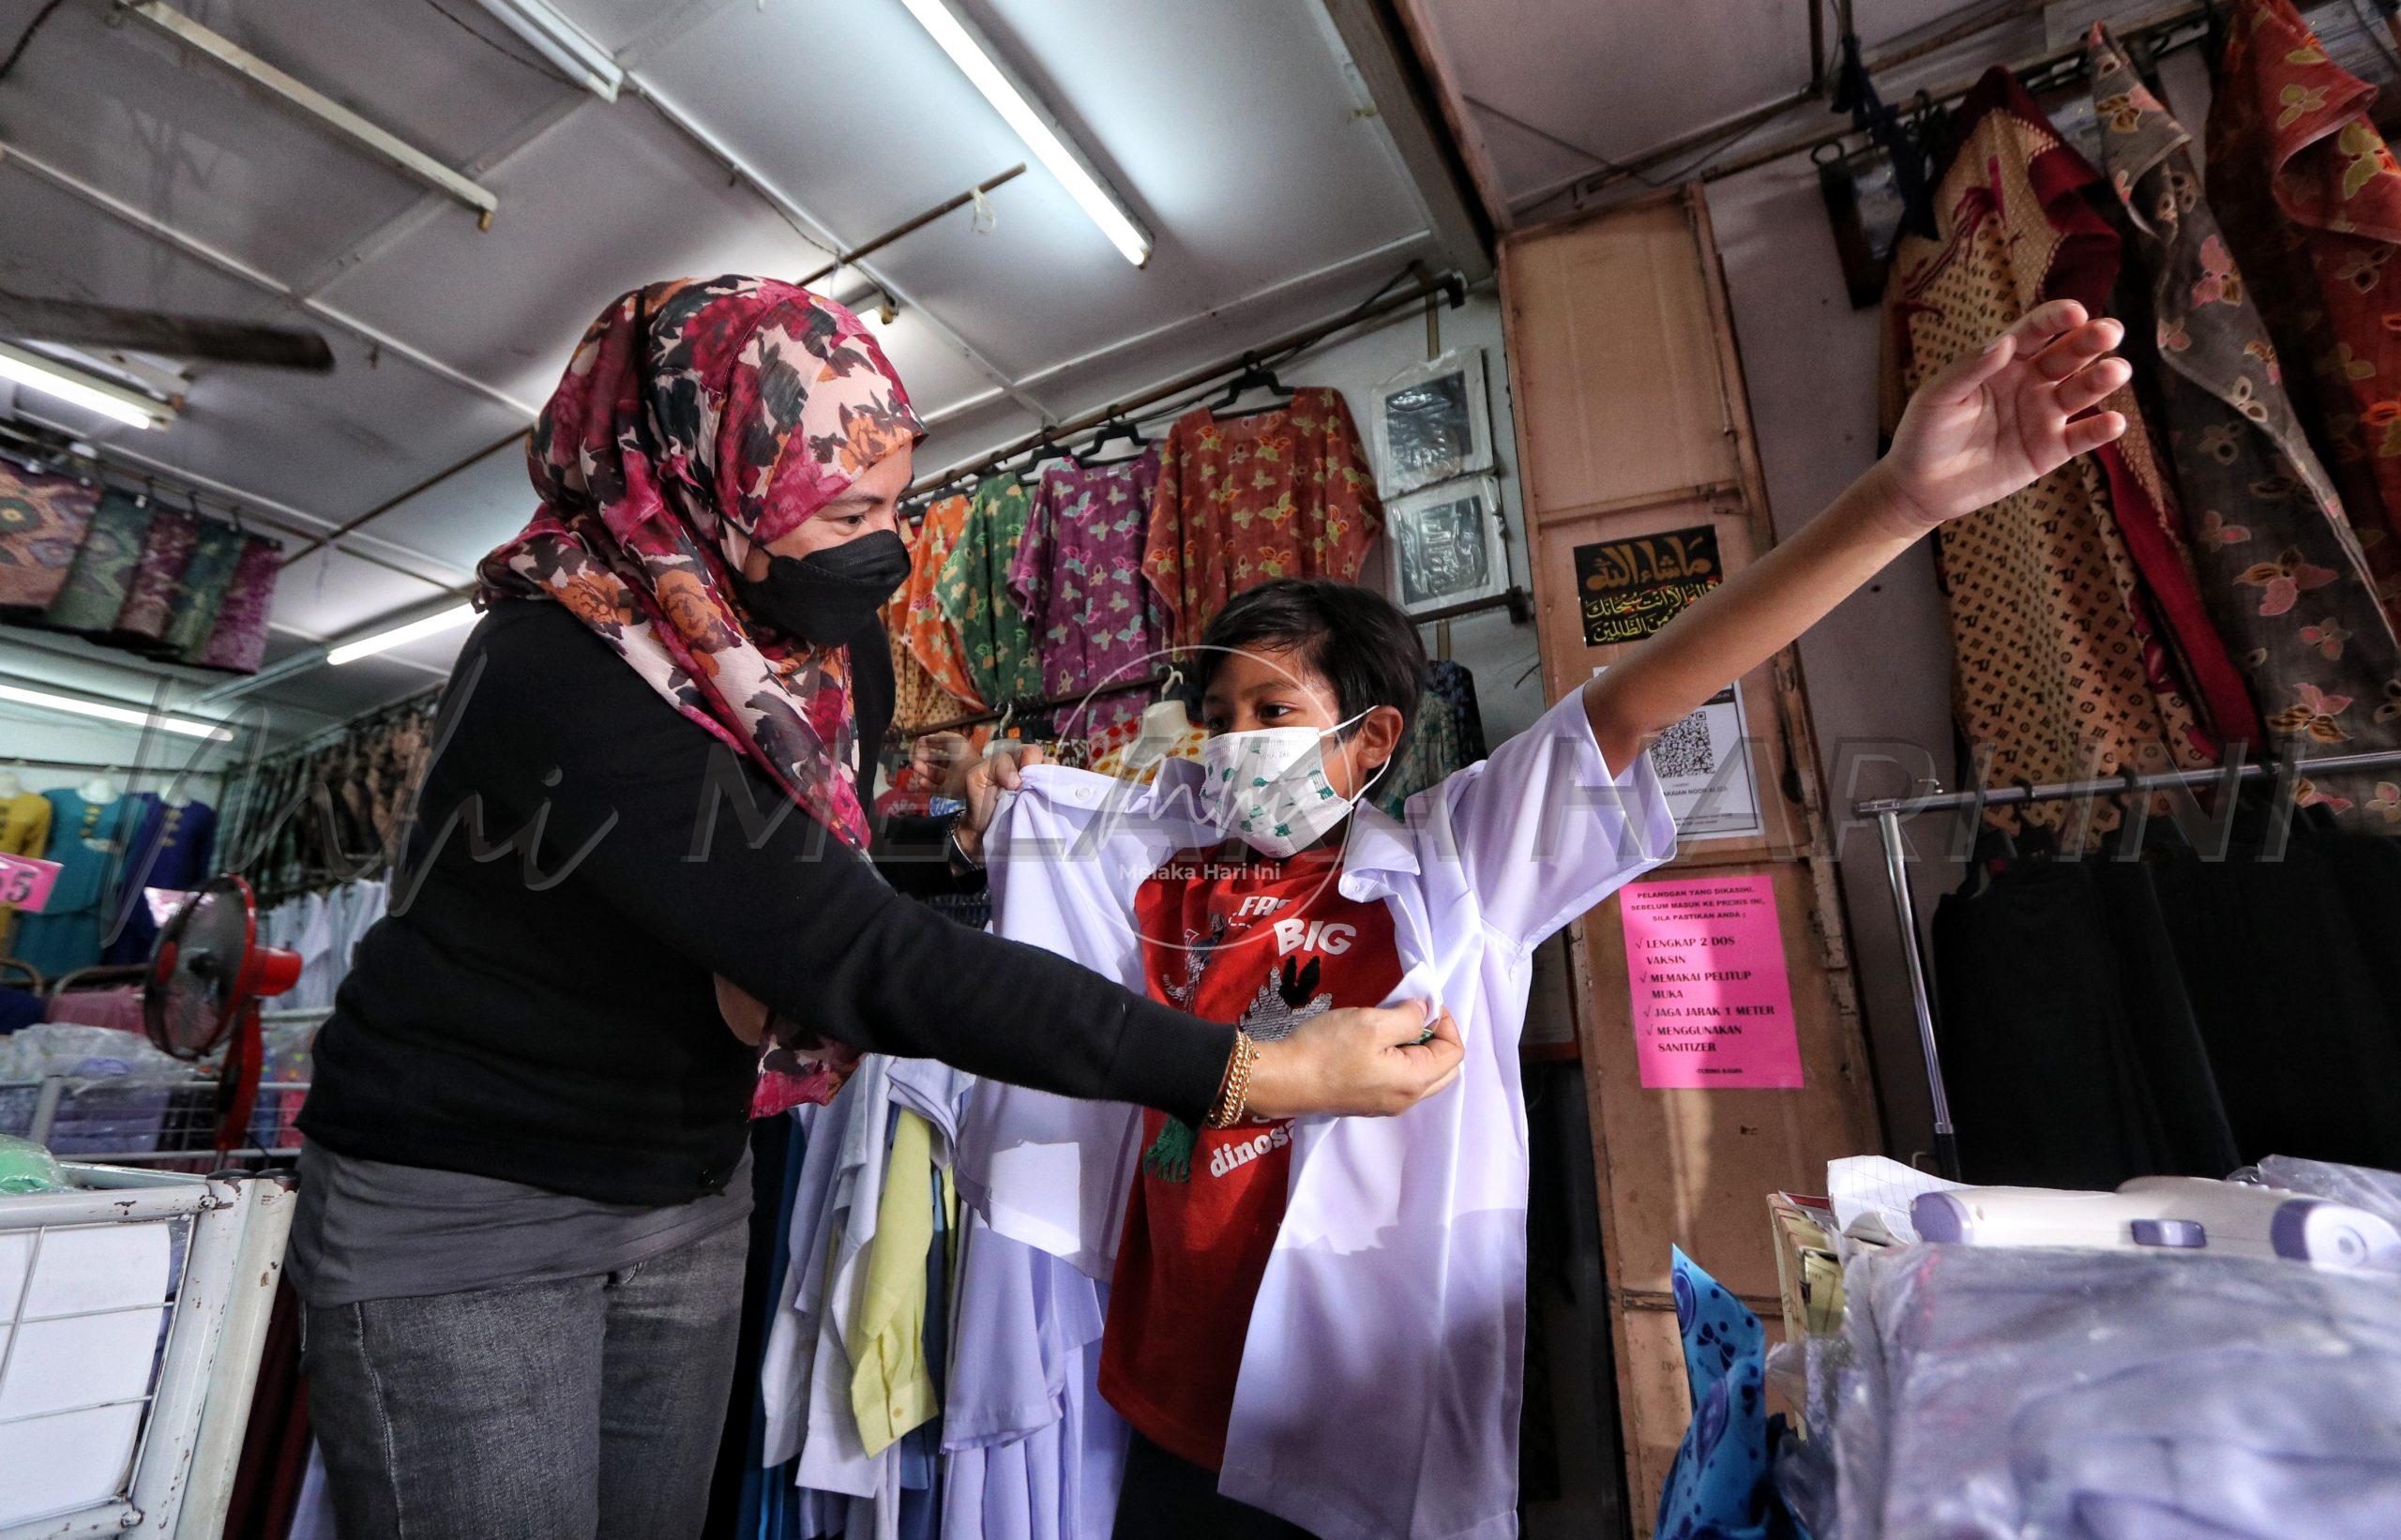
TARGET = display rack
(1889,811)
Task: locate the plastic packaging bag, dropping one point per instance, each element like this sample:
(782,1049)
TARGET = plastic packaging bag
(2032,1393)
(117,1088)
(27,1167)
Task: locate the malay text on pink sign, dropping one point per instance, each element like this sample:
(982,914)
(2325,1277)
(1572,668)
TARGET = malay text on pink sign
(26,882)
(1712,1003)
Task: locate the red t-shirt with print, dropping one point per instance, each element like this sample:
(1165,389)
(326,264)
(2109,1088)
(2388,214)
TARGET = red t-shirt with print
(1265,945)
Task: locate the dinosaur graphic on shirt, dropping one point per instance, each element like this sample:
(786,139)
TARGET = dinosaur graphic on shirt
(1288,997)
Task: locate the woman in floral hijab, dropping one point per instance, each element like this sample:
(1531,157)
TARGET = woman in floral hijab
(699,420)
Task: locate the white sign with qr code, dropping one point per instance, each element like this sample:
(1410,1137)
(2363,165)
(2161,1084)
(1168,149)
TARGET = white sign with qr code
(1705,765)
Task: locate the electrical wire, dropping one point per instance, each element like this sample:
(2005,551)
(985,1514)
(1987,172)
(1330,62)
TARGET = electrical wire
(27,36)
(538,66)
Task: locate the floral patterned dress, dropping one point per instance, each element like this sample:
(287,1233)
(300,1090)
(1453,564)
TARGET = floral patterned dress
(2058,671)
(1078,577)
(915,614)
(974,593)
(1282,494)
(2286,578)
(42,521)
(2310,201)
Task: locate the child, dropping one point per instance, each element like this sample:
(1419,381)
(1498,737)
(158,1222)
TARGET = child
(1317,1328)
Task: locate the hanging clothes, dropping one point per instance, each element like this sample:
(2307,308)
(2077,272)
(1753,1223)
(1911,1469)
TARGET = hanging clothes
(1001,660)
(238,642)
(2310,202)
(2038,1039)
(172,848)
(1078,577)
(25,830)
(1287,493)
(2059,670)
(87,839)
(2284,578)
(1447,735)
(151,593)
(932,639)
(94,589)
(42,520)
(208,576)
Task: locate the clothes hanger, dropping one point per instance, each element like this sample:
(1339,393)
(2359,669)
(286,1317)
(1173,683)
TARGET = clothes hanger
(1117,427)
(1255,375)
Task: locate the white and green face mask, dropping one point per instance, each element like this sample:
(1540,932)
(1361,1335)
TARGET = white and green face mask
(1269,789)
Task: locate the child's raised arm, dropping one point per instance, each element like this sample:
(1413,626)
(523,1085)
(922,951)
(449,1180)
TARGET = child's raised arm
(1983,428)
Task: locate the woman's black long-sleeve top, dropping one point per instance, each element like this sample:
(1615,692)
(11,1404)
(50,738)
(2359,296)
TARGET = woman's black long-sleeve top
(538,1004)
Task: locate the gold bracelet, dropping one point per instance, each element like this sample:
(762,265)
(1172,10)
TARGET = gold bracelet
(1233,1098)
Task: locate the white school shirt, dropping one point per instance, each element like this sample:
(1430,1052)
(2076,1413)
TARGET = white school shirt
(1381,1378)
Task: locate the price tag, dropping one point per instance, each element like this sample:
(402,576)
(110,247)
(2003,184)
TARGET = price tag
(26,882)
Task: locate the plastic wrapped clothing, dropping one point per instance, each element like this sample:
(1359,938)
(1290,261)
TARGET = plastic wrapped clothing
(2034,1394)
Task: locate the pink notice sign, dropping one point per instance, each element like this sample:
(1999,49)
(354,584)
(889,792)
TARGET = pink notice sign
(26,882)
(1712,1005)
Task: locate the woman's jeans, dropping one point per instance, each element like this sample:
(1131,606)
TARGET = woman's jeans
(567,1411)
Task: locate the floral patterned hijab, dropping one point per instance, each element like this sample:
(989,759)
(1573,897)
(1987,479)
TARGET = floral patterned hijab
(700,417)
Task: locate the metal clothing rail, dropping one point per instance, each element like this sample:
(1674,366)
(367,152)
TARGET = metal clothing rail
(1889,811)
(1449,286)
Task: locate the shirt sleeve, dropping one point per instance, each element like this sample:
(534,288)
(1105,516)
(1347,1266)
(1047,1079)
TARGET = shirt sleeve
(701,853)
(1545,829)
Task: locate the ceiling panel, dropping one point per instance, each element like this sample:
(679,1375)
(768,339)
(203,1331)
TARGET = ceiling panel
(185,140)
(607,200)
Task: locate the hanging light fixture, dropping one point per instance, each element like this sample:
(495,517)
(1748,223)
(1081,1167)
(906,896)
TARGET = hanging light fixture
(1034,124)
(79,388)
(443,620)
(563,43)
(110,712)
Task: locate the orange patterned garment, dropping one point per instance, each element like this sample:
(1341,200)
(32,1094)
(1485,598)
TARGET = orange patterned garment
(1280,494)
(916,616)
(2057,674)
(2310,202)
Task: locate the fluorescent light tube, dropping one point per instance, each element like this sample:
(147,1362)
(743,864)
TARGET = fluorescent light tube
(1033,124)
(106,712)
(559,41)
(351,652)
(78,388)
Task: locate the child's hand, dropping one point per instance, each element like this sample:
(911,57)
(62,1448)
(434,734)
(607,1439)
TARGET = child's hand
(1993,424)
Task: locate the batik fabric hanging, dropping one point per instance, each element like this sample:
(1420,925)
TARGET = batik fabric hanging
(42,520)
(94,591)
(918,620)
(238,642)
(1078,577)
(158,578)
(2286,579)
(2310,202)
(1287,493)
(974,591)
(2060,672)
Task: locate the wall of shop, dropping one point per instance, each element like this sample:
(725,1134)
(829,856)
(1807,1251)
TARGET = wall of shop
(1878,668)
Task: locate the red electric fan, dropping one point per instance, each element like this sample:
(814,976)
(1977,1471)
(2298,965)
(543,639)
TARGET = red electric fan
(207,976)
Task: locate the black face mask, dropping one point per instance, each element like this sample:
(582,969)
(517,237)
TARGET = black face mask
(828,596)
